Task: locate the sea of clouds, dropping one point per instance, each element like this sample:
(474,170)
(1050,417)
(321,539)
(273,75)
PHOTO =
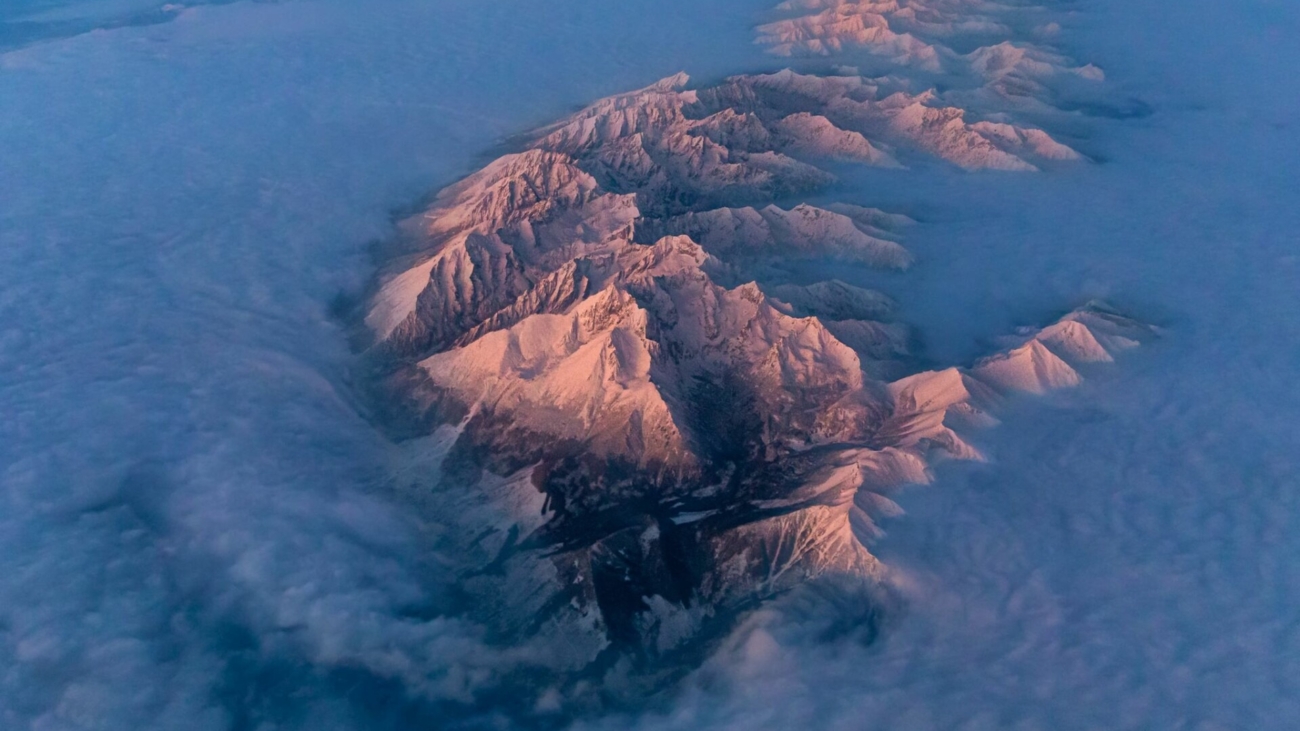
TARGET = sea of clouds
(194,527)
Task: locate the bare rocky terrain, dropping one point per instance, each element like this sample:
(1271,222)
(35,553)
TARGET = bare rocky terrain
(655,422)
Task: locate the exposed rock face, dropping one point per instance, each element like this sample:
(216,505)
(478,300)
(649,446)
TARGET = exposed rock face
(655,422)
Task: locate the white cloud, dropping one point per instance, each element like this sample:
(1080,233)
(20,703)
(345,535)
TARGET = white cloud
(190,532)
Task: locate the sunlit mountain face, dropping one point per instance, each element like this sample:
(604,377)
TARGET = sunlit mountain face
(654,425)
(403,365)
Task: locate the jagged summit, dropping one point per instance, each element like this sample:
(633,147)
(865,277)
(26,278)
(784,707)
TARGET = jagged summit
(826,28)
(771,233)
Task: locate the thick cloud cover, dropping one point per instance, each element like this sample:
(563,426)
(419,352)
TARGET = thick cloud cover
(189,531)
(193,530)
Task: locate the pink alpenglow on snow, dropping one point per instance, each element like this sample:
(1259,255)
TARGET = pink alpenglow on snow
(611,337)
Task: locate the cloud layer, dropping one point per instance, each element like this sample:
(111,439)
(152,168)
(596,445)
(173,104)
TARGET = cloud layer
(192,531)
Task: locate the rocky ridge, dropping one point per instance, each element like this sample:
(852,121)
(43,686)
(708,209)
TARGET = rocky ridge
(1012,63)
(655,420)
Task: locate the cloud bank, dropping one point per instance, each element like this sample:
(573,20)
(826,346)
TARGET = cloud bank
(192,530)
